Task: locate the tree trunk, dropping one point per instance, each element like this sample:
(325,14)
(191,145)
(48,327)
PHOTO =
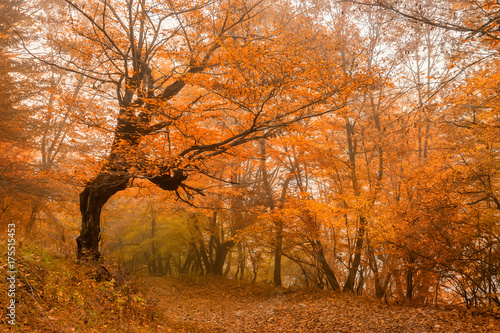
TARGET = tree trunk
(92,199)
(270,202)
(409,278)
(168,268)
(204,257)
(277,254)
(359,289)
(188,262)
(327,270)
(349,283)
(352,145)
(32,219)
(228,265)
(220,256)
(241,261)
(380,287)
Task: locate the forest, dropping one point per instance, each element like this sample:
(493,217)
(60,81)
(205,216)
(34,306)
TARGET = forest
(343,146)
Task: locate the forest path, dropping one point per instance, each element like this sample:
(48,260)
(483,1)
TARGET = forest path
(211,304)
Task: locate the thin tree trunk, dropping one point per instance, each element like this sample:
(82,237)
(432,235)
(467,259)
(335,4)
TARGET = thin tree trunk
(349,284)
(359,289)
(188,262)
(380,287)
(409,278)
(353,268)
(32,219)
(325,267)
(277,254)
(241,261)
(228,265)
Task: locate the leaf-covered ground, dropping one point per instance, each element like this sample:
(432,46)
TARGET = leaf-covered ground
(56,295)
(219,305)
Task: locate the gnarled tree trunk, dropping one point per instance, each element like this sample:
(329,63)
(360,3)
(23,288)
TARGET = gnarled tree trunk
(96,193)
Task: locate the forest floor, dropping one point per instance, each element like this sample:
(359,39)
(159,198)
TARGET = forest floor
(56,294)
(211,304)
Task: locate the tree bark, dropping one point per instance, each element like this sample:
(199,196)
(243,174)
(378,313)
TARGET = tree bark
(353,269)
(32,219)
(409,278)
(325,267)
(277,254)
(220,256)
(96,193)
(349,283)
(380,286)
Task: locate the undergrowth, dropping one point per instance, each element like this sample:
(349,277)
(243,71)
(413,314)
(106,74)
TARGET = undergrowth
(56,294)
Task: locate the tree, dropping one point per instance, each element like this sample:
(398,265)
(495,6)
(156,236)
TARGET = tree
(16,186)
(34,137)
(143,54)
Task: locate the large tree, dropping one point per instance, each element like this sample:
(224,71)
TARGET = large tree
(187,81)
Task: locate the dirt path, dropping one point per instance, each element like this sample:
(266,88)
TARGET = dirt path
(218,305)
